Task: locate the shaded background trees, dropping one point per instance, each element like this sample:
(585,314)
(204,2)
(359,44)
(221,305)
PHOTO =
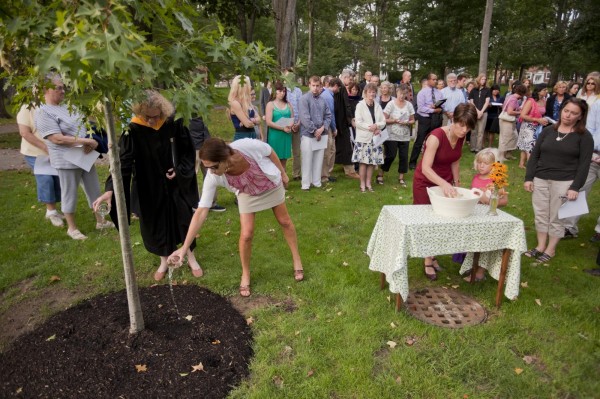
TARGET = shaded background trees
(385,36)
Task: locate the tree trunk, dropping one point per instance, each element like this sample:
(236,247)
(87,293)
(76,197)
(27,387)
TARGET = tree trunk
(3,100)
(285,21)
(136,318)
(311,37)
(251,27)
(241,19)
(485,36)
(496,73)
(562,18)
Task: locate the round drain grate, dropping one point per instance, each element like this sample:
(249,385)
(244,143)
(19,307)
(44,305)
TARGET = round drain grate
(445,308)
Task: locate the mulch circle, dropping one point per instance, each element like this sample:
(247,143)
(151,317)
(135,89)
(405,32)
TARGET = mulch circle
(87,351)
(445,308)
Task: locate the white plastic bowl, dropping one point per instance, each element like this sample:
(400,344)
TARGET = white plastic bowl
(460,207)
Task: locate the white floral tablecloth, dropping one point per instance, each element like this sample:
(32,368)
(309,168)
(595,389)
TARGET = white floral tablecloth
(414,230)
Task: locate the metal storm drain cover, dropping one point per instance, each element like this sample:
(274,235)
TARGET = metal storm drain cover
(445,308)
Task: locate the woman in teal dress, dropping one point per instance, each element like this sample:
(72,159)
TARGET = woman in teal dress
(280,136)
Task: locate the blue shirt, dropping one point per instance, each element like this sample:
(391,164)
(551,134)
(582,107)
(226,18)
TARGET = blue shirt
(293,98)
(314,113)
(593,124)
(454,97)
(327,94)
(425,100)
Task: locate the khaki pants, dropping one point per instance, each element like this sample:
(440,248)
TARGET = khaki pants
(328,157)
(478,133)
(296,153)
(546,201)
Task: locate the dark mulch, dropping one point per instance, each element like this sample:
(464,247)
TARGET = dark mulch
(87,351)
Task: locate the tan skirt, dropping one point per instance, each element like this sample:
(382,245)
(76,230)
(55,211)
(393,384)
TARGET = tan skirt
(508,136)
(256,203)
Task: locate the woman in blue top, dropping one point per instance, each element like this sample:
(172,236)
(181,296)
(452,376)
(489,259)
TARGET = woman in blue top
(241,110)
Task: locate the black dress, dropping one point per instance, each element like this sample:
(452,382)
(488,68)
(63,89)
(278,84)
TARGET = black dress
(492,125)
(165,205)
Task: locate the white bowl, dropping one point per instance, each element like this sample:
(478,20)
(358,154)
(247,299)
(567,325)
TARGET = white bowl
(459,207)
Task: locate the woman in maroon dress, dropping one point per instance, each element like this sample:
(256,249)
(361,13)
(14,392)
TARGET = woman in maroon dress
(439,165)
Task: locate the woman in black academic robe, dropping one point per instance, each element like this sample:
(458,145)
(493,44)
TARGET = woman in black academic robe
(158,150)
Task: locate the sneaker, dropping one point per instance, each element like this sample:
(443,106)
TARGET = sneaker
(217,208)
(56,219)
(76,235)
(105,224)
(569,234)
(595,238)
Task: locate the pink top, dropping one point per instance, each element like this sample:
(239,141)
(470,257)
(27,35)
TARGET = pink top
(480,183)
(253,181)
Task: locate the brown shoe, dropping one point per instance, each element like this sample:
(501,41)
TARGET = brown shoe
(353,175)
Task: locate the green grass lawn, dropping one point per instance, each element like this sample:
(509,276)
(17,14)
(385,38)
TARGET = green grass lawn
(332,342)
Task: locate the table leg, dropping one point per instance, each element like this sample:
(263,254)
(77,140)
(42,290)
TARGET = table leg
(503,268)
(475,266)
(382,281)
(398,302)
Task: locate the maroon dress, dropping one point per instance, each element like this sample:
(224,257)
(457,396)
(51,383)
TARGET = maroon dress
(445,156)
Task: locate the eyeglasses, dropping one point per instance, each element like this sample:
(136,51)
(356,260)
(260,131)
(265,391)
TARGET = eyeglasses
(591,83)
(214,167)
(60,88)
(148,118)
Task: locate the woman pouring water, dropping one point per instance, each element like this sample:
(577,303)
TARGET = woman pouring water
(439,165)
(250,169)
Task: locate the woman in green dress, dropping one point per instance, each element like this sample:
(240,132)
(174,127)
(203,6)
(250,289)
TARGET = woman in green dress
(280,134)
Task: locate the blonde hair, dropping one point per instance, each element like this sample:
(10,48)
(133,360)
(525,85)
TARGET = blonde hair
(592,76)
(487,155)
(240,92)
(478,80)
(154,100)
(387,84)
(559,83)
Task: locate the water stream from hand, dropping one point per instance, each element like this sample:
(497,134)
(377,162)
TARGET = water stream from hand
(171,288)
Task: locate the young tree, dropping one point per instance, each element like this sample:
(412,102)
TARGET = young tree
(106,59)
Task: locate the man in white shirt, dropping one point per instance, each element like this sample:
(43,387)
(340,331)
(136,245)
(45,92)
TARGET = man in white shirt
(454,96)
(32,146)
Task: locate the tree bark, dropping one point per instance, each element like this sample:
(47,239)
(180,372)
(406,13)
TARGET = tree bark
(311,37)
(485,36)
(241,19)
(285,21)
(3,100)
(136,318)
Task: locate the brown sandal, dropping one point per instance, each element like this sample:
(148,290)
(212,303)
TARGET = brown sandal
(299,275)
(245,291)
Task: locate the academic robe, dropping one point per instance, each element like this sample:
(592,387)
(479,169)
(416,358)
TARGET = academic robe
(343,121)
(165,205)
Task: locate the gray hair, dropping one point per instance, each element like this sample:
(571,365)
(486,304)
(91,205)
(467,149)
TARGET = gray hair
(451,76)
(153,99)
(347,72)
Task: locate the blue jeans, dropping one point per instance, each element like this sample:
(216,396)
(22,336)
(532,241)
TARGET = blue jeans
(48,186)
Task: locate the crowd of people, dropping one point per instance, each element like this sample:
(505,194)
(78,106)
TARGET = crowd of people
(362,126)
